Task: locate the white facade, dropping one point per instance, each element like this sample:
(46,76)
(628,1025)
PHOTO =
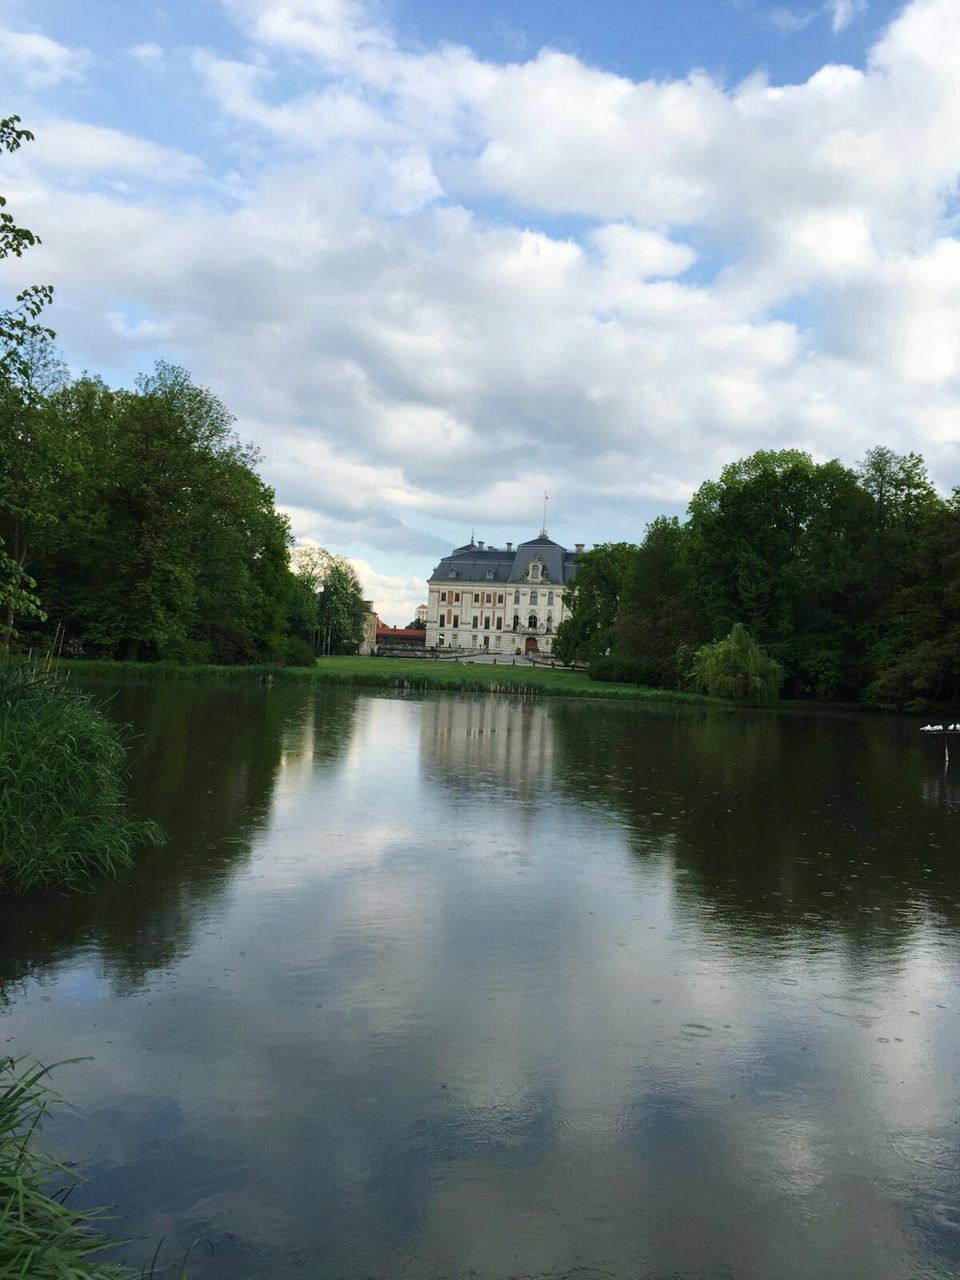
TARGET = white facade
(499,600)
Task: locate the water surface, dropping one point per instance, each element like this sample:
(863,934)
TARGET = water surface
(482,987)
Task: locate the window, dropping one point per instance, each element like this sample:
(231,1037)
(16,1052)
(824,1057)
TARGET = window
(549,621)
(533,597)
(453,573)
(456,598)
(440,638)
(474,639)
(549,597)
(476,597)
(534,573)
(489,599)
(516,597)
(456,621)
(486,624)
(490,575)
(475,622)
(516,622)
(532,622)
(499,624)
(443,596)
(500,598)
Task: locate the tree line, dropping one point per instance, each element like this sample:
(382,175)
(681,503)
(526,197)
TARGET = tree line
(134,525)
(827,582)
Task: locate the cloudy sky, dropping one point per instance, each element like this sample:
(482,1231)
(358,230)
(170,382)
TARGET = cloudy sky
(439,259)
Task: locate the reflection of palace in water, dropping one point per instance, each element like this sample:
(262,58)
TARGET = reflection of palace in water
(489,739)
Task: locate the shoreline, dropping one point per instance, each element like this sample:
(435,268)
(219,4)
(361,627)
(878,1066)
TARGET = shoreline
(401,674)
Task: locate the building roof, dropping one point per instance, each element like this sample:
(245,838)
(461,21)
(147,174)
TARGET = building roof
(476,563)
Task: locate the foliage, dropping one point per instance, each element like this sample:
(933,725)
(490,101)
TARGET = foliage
(418,624)
(340,609)
(736,668)
(593,603)
(615,668)
(41,1237)
(62,765)
(658,613)
(19,334)
(168,544)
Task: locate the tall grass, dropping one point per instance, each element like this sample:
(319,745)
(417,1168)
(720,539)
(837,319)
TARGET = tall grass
(41,1237)
(63,818)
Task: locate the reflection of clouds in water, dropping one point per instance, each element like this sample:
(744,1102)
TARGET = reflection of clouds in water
(448,1015)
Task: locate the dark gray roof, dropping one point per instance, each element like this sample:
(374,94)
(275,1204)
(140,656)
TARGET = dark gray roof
(470,564)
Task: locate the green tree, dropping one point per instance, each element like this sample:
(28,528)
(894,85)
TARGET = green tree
(170,545)
(340,610)
(773,544)
(736,667)
(907,572)
(593,603)
(658,615)
(19,332)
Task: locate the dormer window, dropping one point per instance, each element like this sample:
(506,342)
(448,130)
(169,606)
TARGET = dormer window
(453,573)
(535,572)
(489,575)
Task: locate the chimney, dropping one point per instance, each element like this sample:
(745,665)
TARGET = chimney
(578,546)
(509,546)
(480,544)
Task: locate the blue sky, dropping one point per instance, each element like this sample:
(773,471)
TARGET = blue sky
(440,258)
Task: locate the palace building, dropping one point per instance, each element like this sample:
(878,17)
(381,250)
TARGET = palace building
(502,600)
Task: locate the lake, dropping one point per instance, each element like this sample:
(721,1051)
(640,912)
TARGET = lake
(489,987)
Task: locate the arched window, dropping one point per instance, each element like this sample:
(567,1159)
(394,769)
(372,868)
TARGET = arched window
(532,622)
(549,621)
(549,597)
(516,622)
(535,572)
(533,597)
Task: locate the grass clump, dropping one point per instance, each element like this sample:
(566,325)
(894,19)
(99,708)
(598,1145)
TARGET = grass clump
(63,818)
(41,1237)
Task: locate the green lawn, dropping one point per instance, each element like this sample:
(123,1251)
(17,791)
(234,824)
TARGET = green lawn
(402,673)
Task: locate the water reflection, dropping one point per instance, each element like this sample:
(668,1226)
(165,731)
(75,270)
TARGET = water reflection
(478,986)
(204,764)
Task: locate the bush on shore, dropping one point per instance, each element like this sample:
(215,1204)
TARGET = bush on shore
(737,668)
(63,817)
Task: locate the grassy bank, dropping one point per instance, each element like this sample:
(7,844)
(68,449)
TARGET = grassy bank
(41,1238)
(63,819)
(402,673)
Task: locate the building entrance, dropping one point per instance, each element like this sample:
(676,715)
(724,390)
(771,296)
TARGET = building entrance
(531,646)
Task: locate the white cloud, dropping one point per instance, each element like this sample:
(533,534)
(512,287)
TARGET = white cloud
(843,12)
(149,54)
(36,61)
(752,266)
(68,146)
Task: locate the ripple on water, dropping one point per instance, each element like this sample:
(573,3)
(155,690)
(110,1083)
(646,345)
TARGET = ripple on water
(928,1147)
(696,1030)
(858,1009)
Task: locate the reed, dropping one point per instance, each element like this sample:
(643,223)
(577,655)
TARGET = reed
(63,818)
(41,1236)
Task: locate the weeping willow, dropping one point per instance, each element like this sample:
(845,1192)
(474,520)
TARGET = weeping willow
(737,668)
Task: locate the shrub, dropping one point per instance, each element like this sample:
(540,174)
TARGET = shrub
(62,806)
(737,668)
(615,669)
(297,652)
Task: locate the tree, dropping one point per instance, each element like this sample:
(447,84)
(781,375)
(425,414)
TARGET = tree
(19,331)
(774,544)
(735,667)
(170,545)
(593,602)
(340,611)
(417,624)
(658,615)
